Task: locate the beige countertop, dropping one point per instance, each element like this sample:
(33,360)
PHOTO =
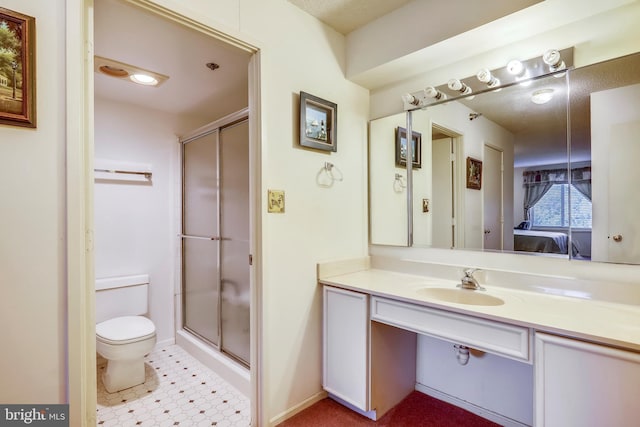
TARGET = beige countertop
(592,320)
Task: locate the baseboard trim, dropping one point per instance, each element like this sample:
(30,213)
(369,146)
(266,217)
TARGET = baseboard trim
(297,408)
(478,410)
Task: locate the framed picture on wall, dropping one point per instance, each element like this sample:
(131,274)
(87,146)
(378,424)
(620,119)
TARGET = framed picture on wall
(318,123)
(474,173)
(401,148)
(17,69)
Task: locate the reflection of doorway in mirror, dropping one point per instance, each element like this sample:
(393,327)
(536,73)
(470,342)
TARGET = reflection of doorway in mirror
(492,198)
(443,193)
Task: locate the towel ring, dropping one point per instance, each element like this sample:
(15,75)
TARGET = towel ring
(328,174)
(399,184)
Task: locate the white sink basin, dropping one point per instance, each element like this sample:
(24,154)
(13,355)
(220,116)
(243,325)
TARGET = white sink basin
(460,296)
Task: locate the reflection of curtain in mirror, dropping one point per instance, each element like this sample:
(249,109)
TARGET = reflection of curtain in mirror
(581,180)
(537,183)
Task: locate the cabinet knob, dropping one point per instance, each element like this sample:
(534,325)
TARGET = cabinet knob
(617,238)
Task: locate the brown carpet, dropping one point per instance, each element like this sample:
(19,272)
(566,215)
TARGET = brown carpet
(416,410)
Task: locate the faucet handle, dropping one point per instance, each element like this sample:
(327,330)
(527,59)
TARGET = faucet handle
(469,271)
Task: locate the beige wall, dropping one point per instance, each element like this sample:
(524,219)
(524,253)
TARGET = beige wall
(32,247)
(298,54)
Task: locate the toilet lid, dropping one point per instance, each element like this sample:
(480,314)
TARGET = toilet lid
(125,328)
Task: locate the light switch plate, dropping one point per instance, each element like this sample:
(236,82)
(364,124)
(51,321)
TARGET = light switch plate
(275,201)
(425,205)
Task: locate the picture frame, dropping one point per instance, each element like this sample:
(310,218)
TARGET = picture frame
(17,69)
(318,123)
(474,173)
(401,148)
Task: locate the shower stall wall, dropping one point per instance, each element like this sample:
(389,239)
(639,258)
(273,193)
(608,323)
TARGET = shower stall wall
(215,237)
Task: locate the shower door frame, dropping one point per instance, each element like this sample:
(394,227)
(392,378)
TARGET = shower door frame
(214,127)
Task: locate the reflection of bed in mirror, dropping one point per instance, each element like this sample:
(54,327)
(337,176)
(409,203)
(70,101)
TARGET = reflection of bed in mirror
(542,241)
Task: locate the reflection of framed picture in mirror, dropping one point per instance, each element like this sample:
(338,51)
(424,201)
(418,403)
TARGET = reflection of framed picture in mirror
(401,148)
(474,173)
(17,62)
(318,123)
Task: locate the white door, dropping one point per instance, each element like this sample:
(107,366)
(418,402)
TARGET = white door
(442,206)
(615,126)
(492,190)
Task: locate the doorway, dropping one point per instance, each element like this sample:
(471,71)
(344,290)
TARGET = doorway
(444,203)
(493,197)
(210,106)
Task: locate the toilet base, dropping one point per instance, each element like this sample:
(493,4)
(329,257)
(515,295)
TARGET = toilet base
(123,374)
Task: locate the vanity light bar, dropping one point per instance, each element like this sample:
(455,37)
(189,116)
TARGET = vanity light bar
(516,71)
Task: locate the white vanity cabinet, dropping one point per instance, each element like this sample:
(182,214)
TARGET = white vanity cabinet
(346,346)
(584,384)
(368,365)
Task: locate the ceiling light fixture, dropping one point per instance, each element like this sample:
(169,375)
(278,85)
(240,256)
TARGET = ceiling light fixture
(143,79)
(542,96)
(127,72)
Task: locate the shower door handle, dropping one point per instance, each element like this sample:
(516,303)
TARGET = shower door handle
(186,236)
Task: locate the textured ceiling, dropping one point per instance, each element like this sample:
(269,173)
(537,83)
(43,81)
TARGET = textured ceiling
(347,15)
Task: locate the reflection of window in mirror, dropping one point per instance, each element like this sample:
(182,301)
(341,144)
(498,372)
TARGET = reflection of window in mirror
(552,210)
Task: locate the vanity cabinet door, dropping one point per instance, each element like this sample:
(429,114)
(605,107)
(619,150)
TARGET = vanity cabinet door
(583,384)
(345,346)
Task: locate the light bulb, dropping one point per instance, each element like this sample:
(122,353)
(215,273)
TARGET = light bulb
(457,85)
(515,68)
(143,79)
(485,76)
(410,99)
(553,59)
(432,92)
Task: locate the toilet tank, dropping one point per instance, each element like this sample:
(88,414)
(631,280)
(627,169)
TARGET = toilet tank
(121,296)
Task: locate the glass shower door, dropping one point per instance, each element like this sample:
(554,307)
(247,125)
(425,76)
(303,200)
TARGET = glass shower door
(200,238)
(215,238)
(234,250)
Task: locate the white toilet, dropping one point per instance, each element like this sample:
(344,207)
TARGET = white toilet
(123,335)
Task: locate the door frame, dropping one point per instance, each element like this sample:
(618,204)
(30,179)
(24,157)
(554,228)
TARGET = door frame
(80,393)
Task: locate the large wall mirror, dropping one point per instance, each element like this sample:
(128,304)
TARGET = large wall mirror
(552,174)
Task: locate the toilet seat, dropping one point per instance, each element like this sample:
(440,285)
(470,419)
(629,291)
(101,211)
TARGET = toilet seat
(125,330)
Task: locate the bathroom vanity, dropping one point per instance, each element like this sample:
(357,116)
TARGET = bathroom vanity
(585,352)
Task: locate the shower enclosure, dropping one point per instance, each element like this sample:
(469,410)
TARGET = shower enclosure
(215,236)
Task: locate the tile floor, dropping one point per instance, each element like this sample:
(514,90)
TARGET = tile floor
(178,391)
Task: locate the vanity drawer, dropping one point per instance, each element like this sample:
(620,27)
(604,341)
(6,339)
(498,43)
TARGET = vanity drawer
(486,335)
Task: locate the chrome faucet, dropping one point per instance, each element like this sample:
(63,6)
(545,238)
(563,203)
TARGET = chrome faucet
(470,282)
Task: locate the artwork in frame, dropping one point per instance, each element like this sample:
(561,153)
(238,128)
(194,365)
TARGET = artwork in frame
(474,173)
(318,123)
(17,69)
(401,148)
